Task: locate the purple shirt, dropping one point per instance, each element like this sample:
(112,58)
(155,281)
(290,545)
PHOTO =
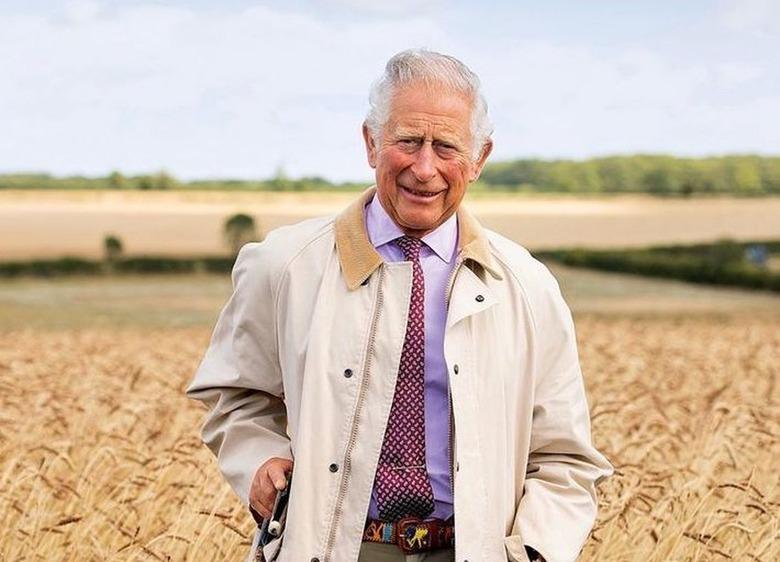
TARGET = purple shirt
(437,258)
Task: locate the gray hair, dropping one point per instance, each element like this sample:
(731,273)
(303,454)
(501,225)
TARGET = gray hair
(432,69)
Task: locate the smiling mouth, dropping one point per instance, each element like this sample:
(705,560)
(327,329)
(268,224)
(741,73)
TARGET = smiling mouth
(428,194)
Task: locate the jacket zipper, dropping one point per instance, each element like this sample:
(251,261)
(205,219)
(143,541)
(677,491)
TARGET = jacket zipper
(451,444)
(353,432)
(452,456)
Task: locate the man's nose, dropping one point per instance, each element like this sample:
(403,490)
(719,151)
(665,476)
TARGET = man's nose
(424,166)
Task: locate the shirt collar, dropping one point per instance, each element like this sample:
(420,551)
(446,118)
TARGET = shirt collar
(382,229)
(358,257)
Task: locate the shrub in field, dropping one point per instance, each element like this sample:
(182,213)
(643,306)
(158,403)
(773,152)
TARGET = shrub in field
(720,263)
(153,264)
(238,230)
(140,264)
(112,247)
(49,268)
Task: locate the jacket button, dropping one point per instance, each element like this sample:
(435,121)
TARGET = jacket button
(333,467)
(347,373)
(456,369)
(315,560)
(480,298)
(457,467)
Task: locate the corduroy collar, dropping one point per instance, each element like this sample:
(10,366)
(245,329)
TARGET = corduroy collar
(359,258)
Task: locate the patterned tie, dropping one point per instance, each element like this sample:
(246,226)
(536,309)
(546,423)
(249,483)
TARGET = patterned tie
(403,488)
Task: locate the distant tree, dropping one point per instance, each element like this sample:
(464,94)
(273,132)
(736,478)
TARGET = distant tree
(770,174)
(145,182)
(238,230)
(745,175)
(116,180)
(163,180)
(112,247)
(656,181)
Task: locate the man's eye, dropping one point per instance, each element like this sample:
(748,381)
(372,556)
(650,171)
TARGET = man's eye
(408,143)
(444,148)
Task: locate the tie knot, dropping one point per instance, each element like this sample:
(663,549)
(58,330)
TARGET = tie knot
(410,246)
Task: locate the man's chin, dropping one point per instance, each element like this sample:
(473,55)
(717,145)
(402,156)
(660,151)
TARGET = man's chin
(418,226)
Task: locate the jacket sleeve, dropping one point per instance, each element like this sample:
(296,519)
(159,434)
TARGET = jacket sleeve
(239,378)
(558,508)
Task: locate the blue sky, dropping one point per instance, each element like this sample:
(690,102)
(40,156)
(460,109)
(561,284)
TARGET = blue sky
(240,89)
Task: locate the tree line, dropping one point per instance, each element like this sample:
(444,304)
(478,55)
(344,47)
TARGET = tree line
(747,175)
(655,174)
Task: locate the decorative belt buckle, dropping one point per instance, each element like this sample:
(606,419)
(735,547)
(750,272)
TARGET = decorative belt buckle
(413,535)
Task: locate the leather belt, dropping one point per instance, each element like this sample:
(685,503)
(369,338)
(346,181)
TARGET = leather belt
(410,534)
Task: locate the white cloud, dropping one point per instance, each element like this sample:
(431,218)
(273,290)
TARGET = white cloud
(80,10)
(394,8)
(237,93)
(201,93)
(761,17)
(551,100)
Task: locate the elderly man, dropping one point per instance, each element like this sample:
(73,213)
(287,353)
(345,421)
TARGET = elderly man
(416,373)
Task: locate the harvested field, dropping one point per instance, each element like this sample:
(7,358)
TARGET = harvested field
(56,223)
(101,459)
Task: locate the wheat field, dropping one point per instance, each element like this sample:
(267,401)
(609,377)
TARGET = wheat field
(100,456)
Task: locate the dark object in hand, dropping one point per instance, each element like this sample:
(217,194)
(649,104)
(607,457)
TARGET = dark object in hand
(273,526)
(533,556)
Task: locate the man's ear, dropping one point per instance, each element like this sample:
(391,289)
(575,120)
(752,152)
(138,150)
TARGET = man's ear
(371,148)
(480,163)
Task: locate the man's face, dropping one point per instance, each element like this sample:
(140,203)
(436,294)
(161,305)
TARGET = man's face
(423,160)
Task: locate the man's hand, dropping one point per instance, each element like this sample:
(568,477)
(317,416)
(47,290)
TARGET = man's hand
(269,478)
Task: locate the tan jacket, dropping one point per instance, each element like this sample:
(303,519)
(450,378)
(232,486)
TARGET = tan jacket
(315,299)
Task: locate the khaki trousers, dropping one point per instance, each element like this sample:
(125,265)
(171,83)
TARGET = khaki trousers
(378,552)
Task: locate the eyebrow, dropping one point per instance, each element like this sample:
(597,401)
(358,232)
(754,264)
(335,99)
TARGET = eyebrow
(406,132)
(403,132)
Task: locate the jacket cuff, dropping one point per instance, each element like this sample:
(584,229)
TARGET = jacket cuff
(515,549)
